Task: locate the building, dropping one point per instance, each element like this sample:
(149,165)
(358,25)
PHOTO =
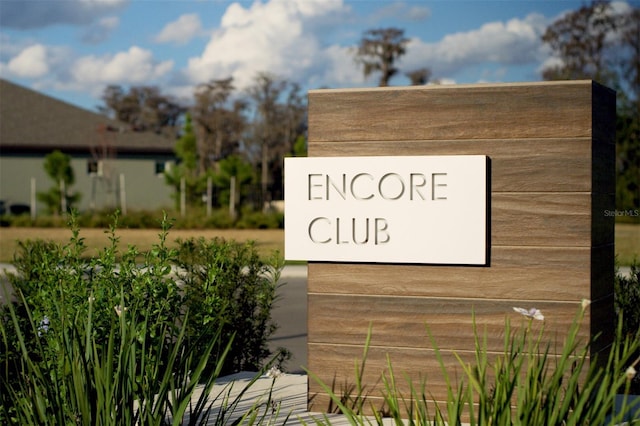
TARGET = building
(114,166)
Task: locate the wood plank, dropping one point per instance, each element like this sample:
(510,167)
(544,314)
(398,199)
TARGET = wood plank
(403,322)
(535,165)
(541,219)
(335,365)
(533,273)
(491,111)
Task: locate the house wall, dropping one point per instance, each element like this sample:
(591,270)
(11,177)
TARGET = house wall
(143,187)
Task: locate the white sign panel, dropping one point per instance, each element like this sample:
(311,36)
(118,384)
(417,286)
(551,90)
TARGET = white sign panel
(414,209)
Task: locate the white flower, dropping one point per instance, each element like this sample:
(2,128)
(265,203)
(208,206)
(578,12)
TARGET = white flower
(92,299)
(119,309)
(274,372)
(44,325)
(630,373)
(530,313)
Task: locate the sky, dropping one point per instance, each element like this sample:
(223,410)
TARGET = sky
(73,49)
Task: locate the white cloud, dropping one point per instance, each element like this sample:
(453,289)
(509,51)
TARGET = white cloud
(515,42)
(271,36)
(181,31)
(134,66)
(340,69)
(30,63)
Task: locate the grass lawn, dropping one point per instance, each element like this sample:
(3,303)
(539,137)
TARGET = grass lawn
(627,243)
(96,239)
(627,239)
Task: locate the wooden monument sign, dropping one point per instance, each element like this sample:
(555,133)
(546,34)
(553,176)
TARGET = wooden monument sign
(425,205)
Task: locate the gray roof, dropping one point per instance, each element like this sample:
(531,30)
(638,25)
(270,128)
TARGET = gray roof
(33,122)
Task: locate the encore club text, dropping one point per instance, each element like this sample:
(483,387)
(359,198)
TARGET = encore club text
(366,187)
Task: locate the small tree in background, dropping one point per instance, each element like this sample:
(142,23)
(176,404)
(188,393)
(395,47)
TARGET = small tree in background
(419,77)
(187,151)
(233,166)
(58,197)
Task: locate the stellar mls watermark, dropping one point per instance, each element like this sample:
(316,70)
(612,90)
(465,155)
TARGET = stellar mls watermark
(621,213)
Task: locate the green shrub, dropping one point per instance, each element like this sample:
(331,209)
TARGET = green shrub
(231,281)
(627,304)
(81,321)
(260,220)
(196,218)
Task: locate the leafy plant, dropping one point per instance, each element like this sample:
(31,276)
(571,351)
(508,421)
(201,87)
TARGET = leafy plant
(106,340)
(57,165)
(231,281)
(627,304)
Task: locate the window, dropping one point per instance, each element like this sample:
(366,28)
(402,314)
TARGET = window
(94,167)
(162,167)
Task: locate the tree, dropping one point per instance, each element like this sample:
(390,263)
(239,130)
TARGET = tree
(220,122)
(378,51)
(57,165)
(143,108)
(628,124)
(419,77)
(233,166)
(601,43)
(579,40)
(187,168)
(279,119)
(630,58)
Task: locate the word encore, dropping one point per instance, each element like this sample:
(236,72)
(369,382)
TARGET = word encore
(365,186)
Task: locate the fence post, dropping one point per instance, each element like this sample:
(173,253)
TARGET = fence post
(183,197)
(63,197)
(33,198)
(209,195)
(232,197)
(123,195)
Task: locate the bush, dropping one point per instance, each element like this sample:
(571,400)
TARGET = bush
(627,305)
(261,220)
(196,218)
(89,336)
(230,281)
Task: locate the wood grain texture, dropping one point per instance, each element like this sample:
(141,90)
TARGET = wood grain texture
(343,359)
(403,322)
(541,219)
(421,365)
(523,165)
(504,111)
(516,273)
(552,176)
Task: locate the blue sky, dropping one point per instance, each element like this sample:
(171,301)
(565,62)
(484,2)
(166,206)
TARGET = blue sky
(72,49)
